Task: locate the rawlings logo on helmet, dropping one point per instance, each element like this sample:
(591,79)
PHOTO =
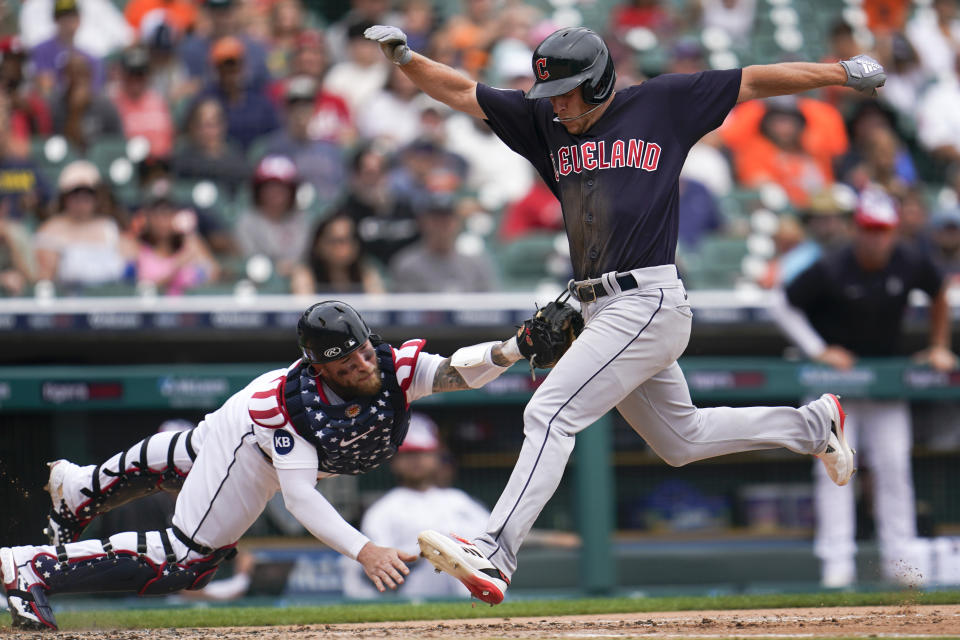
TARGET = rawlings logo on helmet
(331,352)
(541,67)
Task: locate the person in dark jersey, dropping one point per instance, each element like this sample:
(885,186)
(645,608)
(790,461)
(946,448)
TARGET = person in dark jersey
(613,159)
(850,304)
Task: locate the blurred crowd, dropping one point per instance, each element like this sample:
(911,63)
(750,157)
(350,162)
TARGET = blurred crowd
(166,147)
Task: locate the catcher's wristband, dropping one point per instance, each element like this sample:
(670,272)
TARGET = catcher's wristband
(475,364)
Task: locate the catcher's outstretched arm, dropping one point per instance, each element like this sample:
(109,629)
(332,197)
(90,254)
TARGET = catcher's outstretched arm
(474,366)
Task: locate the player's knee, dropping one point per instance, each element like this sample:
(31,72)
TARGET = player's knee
(533,419)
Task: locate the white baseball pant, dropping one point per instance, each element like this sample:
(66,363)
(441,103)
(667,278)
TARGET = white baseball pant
(880,431)
(626,359)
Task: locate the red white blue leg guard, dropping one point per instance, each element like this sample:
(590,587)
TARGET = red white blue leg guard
(147,563)
(79,494)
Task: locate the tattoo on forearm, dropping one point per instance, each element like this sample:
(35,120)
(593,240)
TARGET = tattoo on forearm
(448,378)
(496,354)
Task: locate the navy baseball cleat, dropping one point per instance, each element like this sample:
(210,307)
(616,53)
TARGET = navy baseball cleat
(465,562)
(28,602)
(837,458)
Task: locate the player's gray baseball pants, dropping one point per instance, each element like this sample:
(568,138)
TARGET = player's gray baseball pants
(626,358)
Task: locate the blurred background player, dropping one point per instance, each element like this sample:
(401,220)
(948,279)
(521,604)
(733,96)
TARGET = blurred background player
(416,502)
(847,305)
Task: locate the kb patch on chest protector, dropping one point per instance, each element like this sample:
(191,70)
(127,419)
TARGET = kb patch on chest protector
(282,442)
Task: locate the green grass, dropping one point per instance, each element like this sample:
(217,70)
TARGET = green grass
(346,613)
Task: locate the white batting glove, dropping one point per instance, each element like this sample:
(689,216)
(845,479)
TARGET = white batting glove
(864,74)
(393,43)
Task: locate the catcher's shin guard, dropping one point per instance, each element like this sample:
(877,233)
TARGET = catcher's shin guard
(160,461)
(72,570)
(26,595)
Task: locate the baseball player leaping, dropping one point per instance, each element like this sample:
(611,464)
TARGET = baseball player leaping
(613,159)
(343,408)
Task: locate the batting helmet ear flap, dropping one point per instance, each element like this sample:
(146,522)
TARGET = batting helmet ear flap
(598,90)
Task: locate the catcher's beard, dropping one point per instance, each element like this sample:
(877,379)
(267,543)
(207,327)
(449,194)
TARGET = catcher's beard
(369,386)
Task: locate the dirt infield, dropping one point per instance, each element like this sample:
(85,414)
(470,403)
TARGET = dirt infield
(905,620)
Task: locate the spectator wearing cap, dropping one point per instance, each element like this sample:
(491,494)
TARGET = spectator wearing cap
(364,71)
(168,74)
(417,503)
(79,246)
(249,113)
(337,262)
(96,27)
(385,223)
(207,153)
(945,241)
(154,174)
(29,114)
(82,114)
(224,20)
(50,58)
(275,227)
(848,305)
(877,153)
(331,118)
(826,222)
(787,141)
(906,79)
(319,162)
(24,192)
(143,111)
(435,264)
(171,255)
(426,167)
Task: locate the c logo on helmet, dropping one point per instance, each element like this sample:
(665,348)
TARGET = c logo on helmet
(541,65)
(331,352)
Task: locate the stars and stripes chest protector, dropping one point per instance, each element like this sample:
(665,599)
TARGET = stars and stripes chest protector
(358,435)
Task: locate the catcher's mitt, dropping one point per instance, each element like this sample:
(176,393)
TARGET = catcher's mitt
(547,335)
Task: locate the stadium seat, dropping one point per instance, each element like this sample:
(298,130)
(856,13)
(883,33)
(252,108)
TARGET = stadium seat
(715,264)
(52,154)
(524,262)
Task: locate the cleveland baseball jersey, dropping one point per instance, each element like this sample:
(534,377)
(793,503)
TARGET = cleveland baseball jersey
(617,182)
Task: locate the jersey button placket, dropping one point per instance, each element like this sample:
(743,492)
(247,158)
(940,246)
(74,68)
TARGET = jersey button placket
(589,232)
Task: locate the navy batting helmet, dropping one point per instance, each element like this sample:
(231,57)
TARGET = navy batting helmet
(330,330)
(570,58)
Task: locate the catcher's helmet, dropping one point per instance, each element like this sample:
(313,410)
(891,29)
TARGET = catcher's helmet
(330,330)
(570,58)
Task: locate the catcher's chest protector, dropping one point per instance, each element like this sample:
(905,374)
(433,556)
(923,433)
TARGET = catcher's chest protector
(358,435)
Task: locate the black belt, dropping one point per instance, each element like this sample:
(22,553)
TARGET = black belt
(590,292)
